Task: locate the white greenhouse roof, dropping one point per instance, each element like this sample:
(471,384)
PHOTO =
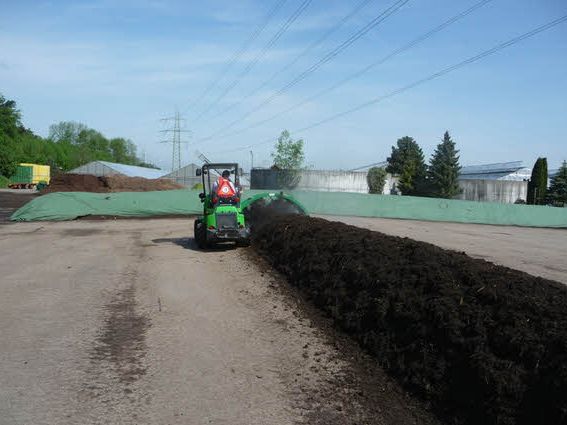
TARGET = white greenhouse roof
(189,168)
(134,171)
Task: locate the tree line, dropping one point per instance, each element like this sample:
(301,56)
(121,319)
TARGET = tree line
(539,193)
(69,144)
(438,179)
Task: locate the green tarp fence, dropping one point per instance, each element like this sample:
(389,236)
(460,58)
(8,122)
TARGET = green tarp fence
(70,205)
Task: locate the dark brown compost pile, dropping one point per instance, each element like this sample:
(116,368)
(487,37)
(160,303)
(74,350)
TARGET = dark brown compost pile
(482,343)
(262,211)
(68,182)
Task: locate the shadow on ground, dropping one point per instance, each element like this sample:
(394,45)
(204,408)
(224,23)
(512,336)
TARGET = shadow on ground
(189,243)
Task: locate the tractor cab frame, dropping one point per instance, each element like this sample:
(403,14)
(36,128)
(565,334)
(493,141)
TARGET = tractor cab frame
(222,219)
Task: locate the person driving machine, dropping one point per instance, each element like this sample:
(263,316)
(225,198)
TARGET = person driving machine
(224,189)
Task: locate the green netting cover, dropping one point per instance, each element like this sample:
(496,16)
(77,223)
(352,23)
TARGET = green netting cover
(431,209)
(70,205)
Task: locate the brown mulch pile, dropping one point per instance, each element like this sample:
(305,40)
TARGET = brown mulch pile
(482,343)
(105,184)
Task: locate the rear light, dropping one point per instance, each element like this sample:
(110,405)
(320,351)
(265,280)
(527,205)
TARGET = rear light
(237,199)
(211,227)
(215,200)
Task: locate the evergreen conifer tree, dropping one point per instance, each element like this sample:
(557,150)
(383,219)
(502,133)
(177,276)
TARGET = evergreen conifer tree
(537,186)
(444,169)
(407,162)
(558,187)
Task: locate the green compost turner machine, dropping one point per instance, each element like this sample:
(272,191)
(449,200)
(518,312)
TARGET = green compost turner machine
(230,219)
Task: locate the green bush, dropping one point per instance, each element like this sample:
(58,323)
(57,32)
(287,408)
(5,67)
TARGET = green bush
(376,179)
(4,182)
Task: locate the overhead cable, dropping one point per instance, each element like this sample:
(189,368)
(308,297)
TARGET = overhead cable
(418,40)
(239,53)
(261,54)
(421,81)
(327,58)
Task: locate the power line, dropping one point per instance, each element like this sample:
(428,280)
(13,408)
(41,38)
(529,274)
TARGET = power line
(238,54)
(327,58)
(421,81)
(258,57)
(358,73)
(304,53)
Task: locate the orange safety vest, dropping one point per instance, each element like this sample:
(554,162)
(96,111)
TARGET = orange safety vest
(225,188)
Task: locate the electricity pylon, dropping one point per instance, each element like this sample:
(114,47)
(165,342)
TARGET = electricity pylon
(175,140)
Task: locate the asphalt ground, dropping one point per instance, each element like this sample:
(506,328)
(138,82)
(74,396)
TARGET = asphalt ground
(537,251)
(127,322)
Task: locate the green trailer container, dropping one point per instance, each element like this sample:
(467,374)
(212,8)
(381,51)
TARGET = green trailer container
(30,176)
(23,175)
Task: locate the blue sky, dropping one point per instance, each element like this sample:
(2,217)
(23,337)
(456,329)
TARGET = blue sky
(121,66)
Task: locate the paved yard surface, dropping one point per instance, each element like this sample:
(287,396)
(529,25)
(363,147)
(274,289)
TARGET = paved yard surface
(125,322)
(540,252)
(11,200)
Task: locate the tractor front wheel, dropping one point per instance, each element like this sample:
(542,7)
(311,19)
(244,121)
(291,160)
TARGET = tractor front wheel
(200,234)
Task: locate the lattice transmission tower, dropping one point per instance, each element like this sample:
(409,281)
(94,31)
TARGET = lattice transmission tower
(176,129)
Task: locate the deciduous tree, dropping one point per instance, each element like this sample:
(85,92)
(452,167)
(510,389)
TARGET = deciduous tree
(288,159)
(66,132)
(69,144)
(7,160)
(288,154)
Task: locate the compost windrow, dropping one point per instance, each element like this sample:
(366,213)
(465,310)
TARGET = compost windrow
(481,342)
(69,182)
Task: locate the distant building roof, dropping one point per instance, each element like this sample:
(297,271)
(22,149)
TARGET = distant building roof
(185,175)
(135,171)
(514,170)
(185,171)
(499,167)
(101,168)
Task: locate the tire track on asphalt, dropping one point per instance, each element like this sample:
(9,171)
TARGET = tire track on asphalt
(117,356)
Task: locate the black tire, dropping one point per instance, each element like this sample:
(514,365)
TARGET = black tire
(200,234)
(243,242)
